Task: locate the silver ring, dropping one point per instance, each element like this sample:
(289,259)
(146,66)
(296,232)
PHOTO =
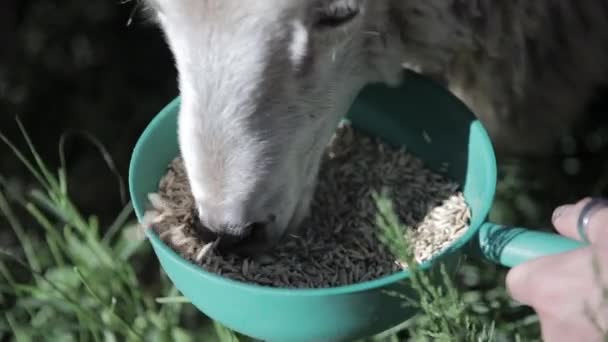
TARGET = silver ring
(593,205)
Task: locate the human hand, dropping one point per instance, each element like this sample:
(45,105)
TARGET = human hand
(564,289)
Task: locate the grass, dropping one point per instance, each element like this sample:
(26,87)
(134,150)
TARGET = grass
(446,313)
(70,279)
(446,317)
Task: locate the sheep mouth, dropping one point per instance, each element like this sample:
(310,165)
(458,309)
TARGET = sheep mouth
(255,240)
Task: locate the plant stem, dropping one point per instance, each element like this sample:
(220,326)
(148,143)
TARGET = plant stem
(125,324)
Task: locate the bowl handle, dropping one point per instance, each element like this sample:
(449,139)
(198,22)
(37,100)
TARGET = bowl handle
(511,246)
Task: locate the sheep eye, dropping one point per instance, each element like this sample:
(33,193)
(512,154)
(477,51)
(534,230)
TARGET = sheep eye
(337,13)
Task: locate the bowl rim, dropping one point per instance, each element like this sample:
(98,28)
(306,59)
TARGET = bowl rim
(158,245)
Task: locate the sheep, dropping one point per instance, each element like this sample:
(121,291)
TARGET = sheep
(264,83)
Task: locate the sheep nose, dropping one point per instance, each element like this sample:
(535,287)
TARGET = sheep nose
(230,229)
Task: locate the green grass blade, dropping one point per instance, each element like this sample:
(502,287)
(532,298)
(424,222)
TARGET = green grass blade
(126,247)
(19,333)
(224,334)
(32,289)
(100,251)
(87,286)
(80,253)
(62,209)
(93,225)
(105,154)
(48,205)
(62,177)
(55,251)
(10,281)
(172,300)
(25,162)
(50,178)
(171,311)
(4,272)
(118,223)
(24,240)
(53,239)
(124,323)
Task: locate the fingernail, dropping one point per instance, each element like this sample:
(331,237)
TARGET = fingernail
(559,211)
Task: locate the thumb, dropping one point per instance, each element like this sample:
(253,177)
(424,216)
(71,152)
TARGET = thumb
(526,282)
(519,282)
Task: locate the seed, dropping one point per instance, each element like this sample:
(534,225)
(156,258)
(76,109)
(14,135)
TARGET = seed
(156,201)
(204,251)
(338,244)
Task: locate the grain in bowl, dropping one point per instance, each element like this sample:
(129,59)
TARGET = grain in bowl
(338,244)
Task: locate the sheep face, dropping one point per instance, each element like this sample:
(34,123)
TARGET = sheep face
(263,85)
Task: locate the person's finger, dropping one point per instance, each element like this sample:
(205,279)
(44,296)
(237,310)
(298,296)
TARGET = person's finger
(565,220)
(553,330)
(522,279)
(563,330)
(517,283)
(574,327)
(538,282)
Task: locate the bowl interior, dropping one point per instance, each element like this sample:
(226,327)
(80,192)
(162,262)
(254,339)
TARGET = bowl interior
(419,114)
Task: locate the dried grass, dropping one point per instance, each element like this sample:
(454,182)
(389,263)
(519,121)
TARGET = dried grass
(338,243)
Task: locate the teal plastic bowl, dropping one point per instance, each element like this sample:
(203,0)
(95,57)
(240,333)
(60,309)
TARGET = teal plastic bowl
(406,115)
